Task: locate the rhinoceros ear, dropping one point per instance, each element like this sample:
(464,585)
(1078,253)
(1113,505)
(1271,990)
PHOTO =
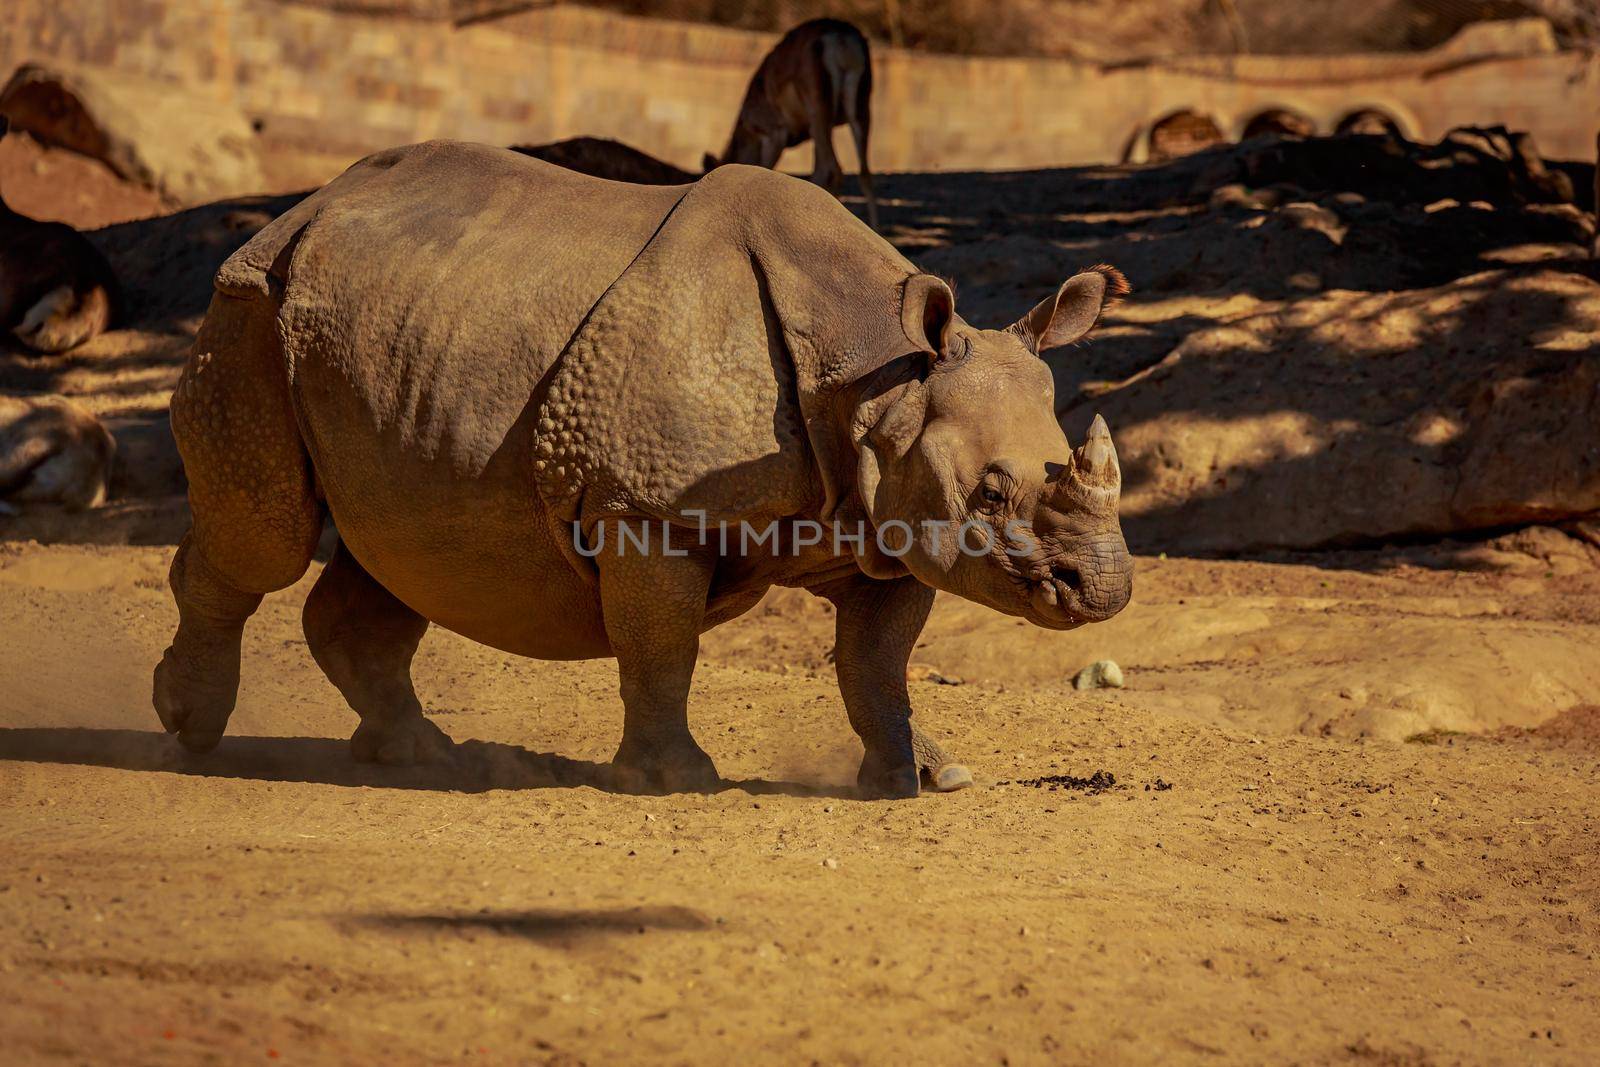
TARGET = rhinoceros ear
(927,308)
(1071,312)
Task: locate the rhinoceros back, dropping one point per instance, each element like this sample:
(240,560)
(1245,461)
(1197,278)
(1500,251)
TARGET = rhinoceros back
(421,299)
(427,300)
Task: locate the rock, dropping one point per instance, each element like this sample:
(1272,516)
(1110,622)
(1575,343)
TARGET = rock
(190,149)
(922,672)
(53,452)
(1101,674)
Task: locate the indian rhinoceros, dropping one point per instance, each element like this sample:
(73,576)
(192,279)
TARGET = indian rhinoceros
(498,376)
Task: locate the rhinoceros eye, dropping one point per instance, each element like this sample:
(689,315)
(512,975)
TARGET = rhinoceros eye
(994,491)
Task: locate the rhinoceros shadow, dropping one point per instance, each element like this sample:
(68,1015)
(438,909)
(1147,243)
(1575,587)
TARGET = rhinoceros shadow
(473,766)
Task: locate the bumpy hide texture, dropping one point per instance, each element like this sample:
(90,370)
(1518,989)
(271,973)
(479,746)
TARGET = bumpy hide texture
(657,405)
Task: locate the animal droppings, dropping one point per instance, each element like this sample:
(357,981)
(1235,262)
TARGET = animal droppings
(1101,674)
(1098,782)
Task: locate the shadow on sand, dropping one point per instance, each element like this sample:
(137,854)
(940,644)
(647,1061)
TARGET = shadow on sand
(554,926)
(474,766)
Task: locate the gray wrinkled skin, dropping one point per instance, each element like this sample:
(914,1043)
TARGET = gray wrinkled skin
(461,353)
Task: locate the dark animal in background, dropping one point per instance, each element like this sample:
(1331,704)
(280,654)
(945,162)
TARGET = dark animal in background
(56,289)
(817,77)
(605,158)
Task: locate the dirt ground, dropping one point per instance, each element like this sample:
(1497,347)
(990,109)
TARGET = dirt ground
(1347,811)
(1246,891)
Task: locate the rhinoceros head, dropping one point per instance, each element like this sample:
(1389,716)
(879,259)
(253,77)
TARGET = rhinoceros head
(959,449)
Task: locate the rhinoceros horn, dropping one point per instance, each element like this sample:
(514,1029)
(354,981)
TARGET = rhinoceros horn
(1094,478)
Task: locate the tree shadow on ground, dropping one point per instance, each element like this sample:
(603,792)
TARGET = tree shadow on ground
(474,766)
(1365,419)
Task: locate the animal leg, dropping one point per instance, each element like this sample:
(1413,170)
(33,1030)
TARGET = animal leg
(654,605)
(876,627)
(817,97)
(256,520)
(363,638)
(825,170)
(861,130)
(197,680)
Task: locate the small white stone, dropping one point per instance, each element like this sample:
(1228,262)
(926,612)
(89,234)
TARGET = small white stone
(1101,674)
(831,863)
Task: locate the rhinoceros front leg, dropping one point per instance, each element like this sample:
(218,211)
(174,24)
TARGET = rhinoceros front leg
(653,605)
(876,628)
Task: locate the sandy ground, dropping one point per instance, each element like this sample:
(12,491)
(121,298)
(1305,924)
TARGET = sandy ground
(1290,897)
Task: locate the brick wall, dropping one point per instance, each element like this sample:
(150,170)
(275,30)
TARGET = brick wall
(326,86)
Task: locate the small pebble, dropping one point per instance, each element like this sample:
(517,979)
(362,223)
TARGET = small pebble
(831,863)
(1101,674)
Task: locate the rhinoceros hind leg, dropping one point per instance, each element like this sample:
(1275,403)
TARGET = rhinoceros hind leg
(197,681)
(364,638)
(654,605)
(256,519)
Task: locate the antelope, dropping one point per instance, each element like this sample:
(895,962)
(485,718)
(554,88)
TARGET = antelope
(56,289)
(817,77)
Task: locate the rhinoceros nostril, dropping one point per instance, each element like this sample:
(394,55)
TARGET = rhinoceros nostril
(1067,575)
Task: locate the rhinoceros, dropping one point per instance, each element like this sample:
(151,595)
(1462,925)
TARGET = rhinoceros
(502,379)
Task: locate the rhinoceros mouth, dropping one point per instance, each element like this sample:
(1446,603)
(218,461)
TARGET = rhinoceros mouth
(1053,593)
(1046,589)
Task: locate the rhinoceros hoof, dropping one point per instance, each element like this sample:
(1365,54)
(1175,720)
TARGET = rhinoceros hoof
(400,742)
(877,782)
(197,713)
(947,778)
(682,768)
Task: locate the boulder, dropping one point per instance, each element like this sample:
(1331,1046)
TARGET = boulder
(190,149)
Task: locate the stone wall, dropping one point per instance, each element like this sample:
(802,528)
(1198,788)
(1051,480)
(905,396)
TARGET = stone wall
(324,86)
